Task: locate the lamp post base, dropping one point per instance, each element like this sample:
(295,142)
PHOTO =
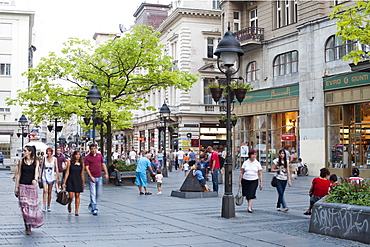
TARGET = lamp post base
(228,206)
(165,172)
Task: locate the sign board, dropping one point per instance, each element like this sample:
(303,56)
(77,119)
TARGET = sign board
(349,80)
(244,149)
(287,137)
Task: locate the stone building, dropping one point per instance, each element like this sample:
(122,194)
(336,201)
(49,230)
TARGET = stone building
(16,54)
(305,97)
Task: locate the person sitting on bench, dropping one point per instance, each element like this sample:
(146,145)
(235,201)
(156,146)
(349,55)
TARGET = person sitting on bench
(113,172)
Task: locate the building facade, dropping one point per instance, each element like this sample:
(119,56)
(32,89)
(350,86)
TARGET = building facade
(16,53)
(293,60)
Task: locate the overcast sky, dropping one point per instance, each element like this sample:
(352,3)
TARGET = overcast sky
(56,21)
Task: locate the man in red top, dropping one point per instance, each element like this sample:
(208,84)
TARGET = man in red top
(94,162)
(214,164)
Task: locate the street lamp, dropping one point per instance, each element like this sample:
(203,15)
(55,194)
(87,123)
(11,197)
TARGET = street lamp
(93,96)
(228,50)
(23,123)
(164,113)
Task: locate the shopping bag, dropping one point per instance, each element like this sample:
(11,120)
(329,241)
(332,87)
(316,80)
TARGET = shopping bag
(239,199)
(62,197)
(273,181)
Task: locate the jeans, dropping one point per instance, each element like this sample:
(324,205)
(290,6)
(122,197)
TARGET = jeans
(116,175)
(280,187)
(95,191)
(215,179)
(160,164)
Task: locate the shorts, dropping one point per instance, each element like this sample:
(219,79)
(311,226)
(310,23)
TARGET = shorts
(48,182)
(159,184)
(202,182)
(186,171)
(141,179)
(293,166)
(180,161)
(59,176)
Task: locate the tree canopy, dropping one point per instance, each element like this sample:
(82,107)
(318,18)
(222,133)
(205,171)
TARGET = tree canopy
(123,69)
(353,25)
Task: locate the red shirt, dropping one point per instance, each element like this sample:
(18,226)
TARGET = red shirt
(321,187)
(95,164)
(214,156)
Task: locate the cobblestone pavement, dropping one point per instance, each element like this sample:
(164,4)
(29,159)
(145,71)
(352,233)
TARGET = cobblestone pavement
(129,219)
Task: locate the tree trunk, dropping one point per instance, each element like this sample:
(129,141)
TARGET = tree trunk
(102,139)
(109,141)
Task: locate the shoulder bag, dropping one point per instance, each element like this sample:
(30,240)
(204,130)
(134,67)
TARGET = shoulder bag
(62,197)
(273,181)
(239,199)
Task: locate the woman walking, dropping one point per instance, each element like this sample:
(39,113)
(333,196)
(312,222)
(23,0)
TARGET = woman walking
(250,173)
(319,188)
(48,170)
(281,168)
(26,189)
(74,180)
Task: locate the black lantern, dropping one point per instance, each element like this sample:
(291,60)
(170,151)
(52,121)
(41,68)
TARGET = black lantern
(23,123)
(94,97)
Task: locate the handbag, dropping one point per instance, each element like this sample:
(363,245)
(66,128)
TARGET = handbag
(239,199)
(62,197)
(273,181)
(64,165)
(40,185)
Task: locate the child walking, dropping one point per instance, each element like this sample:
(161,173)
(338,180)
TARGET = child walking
(186,169)
(159,180)
(201,179)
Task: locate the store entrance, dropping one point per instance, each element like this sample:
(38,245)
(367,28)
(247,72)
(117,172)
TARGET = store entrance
(359,150)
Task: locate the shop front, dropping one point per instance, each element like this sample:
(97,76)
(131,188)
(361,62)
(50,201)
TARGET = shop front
(269,123)
(347,102)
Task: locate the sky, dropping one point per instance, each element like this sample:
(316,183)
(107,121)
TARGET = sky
(56,20)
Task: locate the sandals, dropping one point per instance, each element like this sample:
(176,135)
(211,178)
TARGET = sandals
(307,213)
(147,193)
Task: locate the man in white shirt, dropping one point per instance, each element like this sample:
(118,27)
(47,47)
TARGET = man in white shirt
(132,155)
(180,158)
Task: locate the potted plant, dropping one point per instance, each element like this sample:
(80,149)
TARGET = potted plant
(234,119)
(216,90)
(240,89)
(222,120)
(170,128)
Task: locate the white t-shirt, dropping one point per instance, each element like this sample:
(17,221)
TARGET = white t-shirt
(115,155)
(186,167)
(180,155)
(132,155)
(251,169)
(159,178)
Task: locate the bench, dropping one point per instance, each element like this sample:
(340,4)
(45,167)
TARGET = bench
(124,175)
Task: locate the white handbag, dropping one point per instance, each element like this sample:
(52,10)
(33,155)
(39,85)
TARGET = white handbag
(239,199)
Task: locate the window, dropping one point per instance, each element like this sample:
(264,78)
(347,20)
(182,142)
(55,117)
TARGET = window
(253,18)
(335,49)
(5,30)
(174,50)
(216,4)
(207,96)
(210,47)
(286,63)
(236,21)
(5,64)
(252,71)
(286,12)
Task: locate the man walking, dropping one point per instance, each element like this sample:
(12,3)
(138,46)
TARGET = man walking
(192,157)
(142,165)
(132,155)
(61,172)
(180,158)
(171,158)
(214,166)
(94,163)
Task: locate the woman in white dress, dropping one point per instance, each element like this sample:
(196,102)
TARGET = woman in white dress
(49,168)
(250,173)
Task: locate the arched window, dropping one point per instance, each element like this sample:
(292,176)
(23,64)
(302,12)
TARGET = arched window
(335,49)
(252,71)
(286,63)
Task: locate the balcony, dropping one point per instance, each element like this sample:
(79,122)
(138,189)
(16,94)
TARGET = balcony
(250,35)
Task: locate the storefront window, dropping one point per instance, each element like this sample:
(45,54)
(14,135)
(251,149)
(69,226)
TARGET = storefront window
(349,136)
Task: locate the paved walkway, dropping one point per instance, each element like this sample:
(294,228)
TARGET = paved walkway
(128,219)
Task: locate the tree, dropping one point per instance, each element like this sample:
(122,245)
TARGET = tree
(111,67)
(353,25)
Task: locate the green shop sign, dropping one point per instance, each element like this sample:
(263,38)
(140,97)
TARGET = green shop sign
(274,93)
(348,80)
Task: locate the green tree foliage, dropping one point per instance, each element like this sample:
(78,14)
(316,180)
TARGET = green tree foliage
(113,67)
(353,24)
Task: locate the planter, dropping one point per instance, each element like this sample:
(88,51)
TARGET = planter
(222,122)
(59,128)
(170,129)
(216,93)
(341,221)
(240,94)
(233,122)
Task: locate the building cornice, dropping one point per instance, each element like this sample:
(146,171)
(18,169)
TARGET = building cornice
(188,12)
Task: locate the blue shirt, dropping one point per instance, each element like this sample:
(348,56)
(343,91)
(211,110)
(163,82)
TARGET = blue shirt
(160,156)
(192,156)
(199,174)
(203,164)
(142,164)
(2,157)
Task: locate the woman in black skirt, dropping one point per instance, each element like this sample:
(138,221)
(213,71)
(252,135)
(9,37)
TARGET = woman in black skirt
(250,172)
(74,180)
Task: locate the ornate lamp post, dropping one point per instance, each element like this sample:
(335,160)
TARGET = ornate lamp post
(23,123)
(93,96)
(164,113)
(228,50)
